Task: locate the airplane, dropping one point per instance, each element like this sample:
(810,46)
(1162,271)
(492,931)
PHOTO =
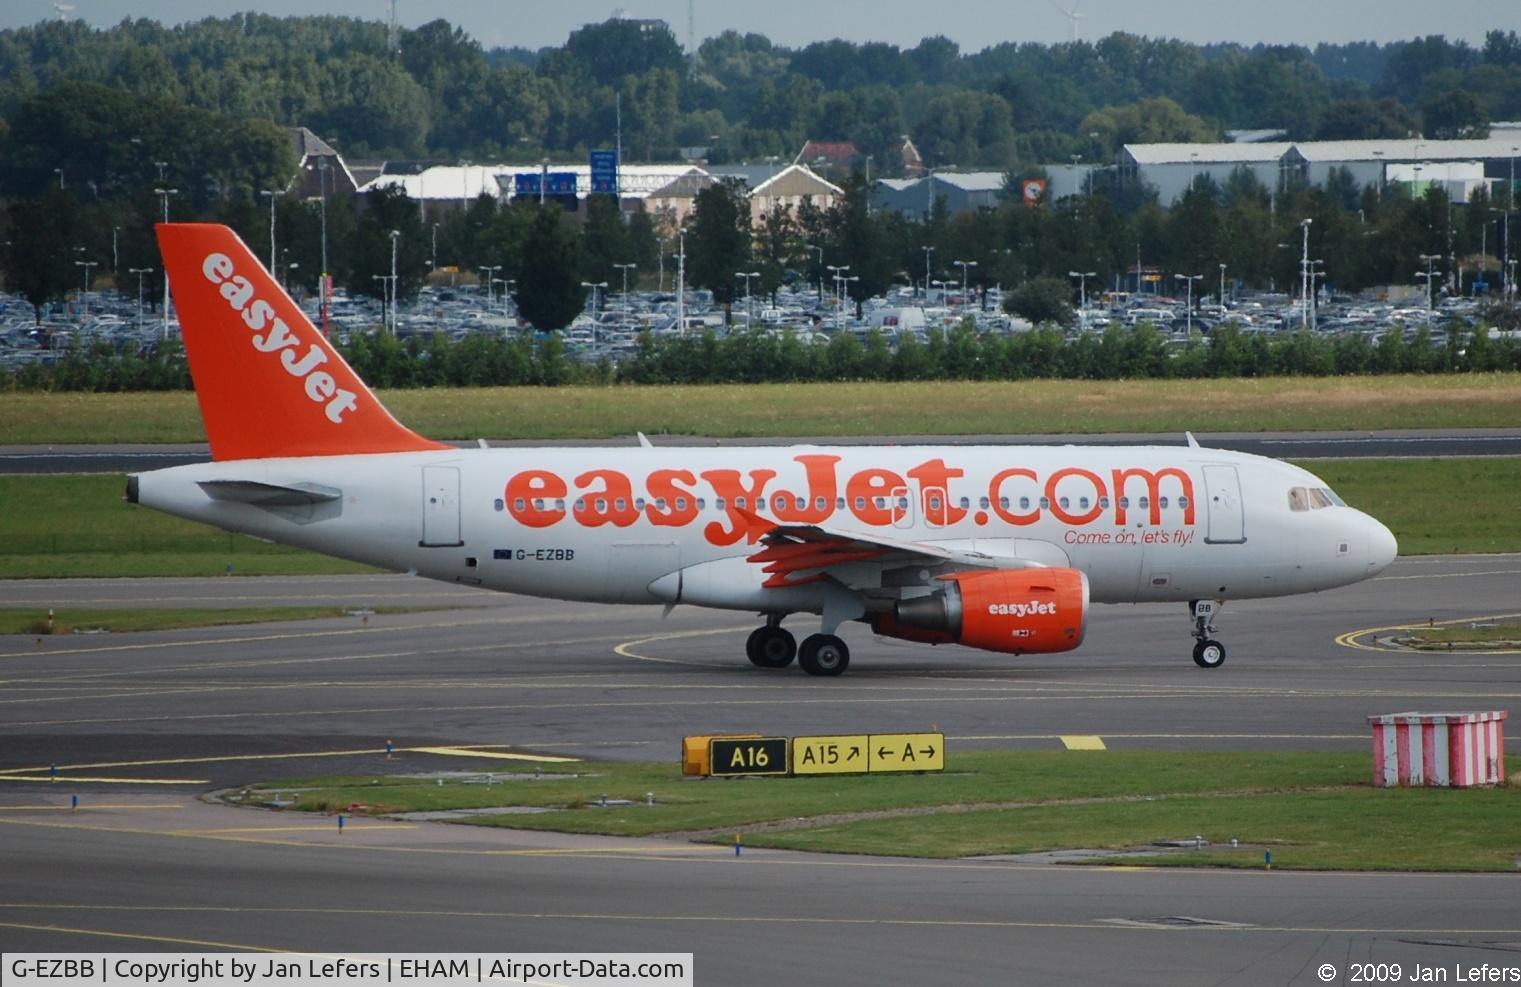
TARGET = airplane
(1001,548)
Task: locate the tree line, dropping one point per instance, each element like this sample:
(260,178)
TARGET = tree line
(482,359)
(439,93)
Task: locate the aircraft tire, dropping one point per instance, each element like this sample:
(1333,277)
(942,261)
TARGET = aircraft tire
(1209,654)
(823,654)
(770,647)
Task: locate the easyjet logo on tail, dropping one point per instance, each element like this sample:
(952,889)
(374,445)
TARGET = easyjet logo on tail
(270,335)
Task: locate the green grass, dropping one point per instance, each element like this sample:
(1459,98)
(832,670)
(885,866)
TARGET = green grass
(55,526)
(1434,638)
(1434,506)
(769,410)
(1344,829)
(1313,810)
(68,621)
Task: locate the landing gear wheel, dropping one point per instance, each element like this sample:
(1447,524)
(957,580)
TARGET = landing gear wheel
(823,654)
(770,647)
(1209,654)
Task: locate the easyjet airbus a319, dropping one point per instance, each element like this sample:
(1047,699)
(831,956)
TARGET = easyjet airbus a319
(1002,548)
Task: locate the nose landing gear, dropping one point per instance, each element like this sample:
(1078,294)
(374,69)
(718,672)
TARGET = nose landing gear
(1207,653)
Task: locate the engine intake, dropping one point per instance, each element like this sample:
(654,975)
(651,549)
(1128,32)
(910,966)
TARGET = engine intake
(1014,611)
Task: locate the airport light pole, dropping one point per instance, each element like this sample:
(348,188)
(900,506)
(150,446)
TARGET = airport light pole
(59,173)
(625,268)
(1304,276)
(488,271)
(681,286)
(139,271)
(838,273)
(115,257)
(273,194)
(84,296)
(1315,292)
(595,287)
(434,263)
(322,285)
(395,283)
(965,265)
(845,293)
(1189,279)
(1429,259)
(1222,290)
(1082,292)
(747,275)
(164,194)
(385,300)
(1510,206)
(927,252)
(814,246)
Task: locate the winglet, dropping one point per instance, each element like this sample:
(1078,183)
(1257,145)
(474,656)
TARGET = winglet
(269,384)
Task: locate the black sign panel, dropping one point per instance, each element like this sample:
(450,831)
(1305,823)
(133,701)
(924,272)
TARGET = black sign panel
(751,756)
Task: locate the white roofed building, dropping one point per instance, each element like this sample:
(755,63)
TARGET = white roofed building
(1172,168)
(445,187)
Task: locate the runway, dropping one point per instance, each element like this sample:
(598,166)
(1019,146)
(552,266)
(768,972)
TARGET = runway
(155,718)
(1278,445)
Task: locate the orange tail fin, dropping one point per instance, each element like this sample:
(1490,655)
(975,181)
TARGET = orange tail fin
(268,383)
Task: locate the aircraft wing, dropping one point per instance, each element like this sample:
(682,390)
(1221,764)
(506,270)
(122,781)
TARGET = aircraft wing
(794,554)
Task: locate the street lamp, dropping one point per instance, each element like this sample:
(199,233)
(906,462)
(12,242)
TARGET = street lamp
(1304,275)
(59,173)
(927,252)
(844,293)
(625,268)
(115,258)
(139,271)
(1222,290)
(84,296)
(814,246)
(273,195)
(1189,279)
(164,194)
(595,287)
(385,301)
(1429,259)
(1082,292)
(747,275)
(964,265)
(681,286)
(290,266)
(395,284)
(1315,292)
(838,272)
(487,272)
(435,247)
(323,281)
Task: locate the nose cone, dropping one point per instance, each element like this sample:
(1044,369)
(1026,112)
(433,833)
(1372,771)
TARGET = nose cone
(1382,548)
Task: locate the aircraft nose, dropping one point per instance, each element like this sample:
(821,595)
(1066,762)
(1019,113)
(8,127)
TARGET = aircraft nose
(1382,547)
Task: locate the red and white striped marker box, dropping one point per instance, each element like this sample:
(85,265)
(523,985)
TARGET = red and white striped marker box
(1451,750)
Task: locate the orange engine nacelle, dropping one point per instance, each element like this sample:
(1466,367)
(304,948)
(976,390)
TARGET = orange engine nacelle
(1017,611)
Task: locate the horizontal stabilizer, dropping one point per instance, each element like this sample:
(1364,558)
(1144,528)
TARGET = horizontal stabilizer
(270,494)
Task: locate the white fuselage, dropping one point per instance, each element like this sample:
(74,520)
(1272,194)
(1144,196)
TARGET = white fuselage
(666,525)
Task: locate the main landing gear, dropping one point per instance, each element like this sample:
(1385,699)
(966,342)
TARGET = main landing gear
(772,647)
(1207,653)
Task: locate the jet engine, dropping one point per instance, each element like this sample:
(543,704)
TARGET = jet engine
(1015,611)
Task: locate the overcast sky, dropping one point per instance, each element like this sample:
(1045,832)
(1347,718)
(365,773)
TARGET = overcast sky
(973,24)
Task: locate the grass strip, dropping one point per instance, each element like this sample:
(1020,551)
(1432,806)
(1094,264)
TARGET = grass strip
(1313,810)
(837,409)
(1442,638)
(70,621)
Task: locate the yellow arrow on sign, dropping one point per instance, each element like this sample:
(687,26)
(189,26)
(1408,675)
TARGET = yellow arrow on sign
(906,752)
(846,754)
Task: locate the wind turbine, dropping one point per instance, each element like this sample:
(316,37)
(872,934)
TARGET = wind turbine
(62,9)
(1071,15)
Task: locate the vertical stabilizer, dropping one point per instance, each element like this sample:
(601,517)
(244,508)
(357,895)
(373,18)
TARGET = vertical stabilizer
(269,384)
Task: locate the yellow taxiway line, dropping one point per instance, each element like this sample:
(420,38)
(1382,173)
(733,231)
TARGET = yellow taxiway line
(1350,639)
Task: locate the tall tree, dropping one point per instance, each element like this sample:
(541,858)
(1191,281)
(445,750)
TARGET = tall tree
(39,261)
(549,287)
(719,243)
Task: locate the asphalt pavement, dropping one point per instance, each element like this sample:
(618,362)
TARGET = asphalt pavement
(138,725)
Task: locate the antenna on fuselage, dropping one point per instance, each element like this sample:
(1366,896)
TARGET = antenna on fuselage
(1193,443)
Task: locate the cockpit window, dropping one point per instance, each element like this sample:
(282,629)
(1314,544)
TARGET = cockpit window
(1313,499)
